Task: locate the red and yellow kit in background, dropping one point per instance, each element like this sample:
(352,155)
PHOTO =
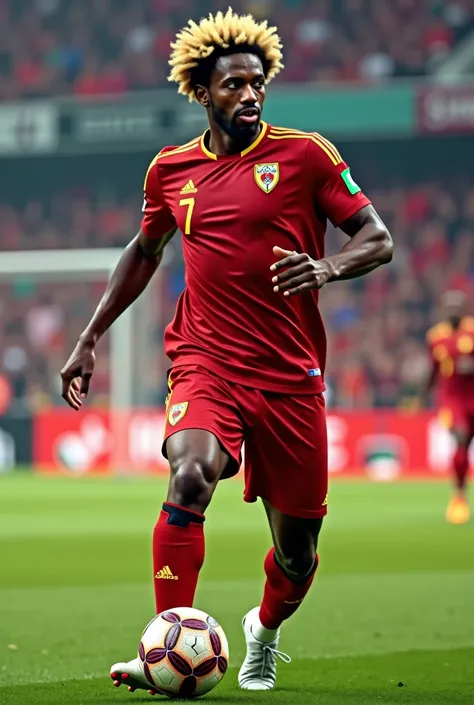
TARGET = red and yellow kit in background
(452,352)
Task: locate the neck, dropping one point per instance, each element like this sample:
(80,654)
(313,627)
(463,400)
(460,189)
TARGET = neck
(221,144)
(455,322)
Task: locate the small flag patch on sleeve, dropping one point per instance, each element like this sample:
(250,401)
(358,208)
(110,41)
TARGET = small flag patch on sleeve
(352,187)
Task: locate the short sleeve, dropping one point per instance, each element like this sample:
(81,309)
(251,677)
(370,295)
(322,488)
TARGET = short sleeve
(335,192)
(158,219)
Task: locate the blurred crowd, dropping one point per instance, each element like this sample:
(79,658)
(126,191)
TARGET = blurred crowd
(95,47)
(376,325)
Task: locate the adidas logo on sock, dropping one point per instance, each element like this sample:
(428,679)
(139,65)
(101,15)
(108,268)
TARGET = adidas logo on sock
(165,574)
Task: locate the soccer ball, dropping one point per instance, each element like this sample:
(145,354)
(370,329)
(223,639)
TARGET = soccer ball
(184,652)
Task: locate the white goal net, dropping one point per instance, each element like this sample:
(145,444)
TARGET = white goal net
(47,297)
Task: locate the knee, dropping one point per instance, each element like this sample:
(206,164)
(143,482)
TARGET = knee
(192,484)
(299,562)
(297,555)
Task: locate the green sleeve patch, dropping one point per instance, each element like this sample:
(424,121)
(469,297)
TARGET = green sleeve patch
(352,187)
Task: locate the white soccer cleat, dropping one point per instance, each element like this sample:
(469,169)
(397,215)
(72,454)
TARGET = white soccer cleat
(258,671)
(133,675)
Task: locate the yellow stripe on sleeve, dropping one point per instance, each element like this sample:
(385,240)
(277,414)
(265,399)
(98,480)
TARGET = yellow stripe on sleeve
(179,150)
(335,160)
(329,145)
(322,142)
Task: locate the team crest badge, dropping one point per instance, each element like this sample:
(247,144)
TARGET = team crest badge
(177,412)
(267,175)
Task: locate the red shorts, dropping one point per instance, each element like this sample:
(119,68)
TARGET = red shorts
(285,454)
(457,416)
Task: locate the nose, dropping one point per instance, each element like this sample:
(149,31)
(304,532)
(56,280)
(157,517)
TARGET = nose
(248,96)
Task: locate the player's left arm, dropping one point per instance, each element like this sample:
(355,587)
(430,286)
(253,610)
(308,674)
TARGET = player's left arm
(369,247)
(342,201)
(430,380)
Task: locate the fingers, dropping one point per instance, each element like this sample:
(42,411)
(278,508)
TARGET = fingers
(69,391)
(71,386)
(294,282)
(288,261)
(290,274)
(66,381)
(280,252)
(302,273)
(85,381)
(74,392)
(76,375)
(306,286)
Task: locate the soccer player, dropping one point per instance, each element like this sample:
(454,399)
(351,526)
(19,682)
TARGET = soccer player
(247,343)
(451,346)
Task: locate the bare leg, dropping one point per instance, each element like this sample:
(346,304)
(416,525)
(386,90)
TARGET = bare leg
(197,463)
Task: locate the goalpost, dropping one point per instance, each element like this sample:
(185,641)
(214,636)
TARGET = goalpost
(128,335)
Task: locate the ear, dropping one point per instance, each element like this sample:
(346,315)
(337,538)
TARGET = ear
(202,95)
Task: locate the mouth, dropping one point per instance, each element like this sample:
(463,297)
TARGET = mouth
(248,116)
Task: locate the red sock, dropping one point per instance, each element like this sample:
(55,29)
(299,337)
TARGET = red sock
(178,555)
(281,596)
(461,466)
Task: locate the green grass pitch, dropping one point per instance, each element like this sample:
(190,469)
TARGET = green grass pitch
(389,620)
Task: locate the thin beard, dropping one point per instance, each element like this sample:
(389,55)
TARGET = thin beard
(231,129)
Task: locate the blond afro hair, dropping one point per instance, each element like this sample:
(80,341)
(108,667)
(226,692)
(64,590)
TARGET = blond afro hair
(198,46)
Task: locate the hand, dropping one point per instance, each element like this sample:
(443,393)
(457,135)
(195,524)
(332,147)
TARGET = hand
(304,273)
(76,374)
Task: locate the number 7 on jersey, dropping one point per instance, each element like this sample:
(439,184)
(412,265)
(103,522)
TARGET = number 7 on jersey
(189,202)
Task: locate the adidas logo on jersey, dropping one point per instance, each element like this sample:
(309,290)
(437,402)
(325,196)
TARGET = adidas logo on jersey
(165,574)
(188,188)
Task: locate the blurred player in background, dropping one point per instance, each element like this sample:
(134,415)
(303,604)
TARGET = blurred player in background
(451,345)
(247,343)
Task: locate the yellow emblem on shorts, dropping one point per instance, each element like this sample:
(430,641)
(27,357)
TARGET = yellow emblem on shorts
(325,503)
(267,175)
(177,412)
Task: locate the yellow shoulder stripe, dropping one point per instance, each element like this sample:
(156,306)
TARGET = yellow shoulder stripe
(290,130)
(468,324)
(315,135)
(438,332)
(329,145)
(179,150)
(335,160)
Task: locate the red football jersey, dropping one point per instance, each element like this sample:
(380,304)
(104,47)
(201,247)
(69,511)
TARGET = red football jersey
(452,352)
(232,210)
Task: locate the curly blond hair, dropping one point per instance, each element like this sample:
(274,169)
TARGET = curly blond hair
(219,35)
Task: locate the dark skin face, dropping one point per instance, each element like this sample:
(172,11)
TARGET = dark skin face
(454,307)
(234,102)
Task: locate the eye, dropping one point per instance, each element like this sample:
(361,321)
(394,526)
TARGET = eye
(233,83)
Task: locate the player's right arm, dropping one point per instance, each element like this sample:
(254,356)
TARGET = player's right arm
(429,384)
(132,274)
(432,376)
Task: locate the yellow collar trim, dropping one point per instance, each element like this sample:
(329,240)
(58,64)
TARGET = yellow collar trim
(254,144)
